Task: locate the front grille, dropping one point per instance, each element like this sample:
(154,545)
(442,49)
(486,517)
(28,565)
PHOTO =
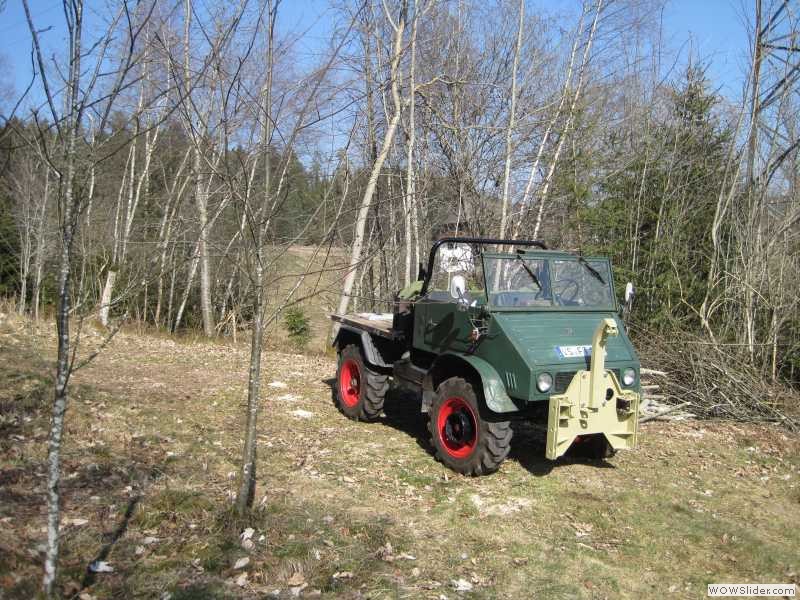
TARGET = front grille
(564,377)
(562,381)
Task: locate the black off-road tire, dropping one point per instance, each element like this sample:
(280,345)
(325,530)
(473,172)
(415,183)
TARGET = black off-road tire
(461,438)
(358,391)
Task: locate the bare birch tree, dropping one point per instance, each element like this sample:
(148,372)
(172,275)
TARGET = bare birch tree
(259,210)
(512,113)
(395,76)
(83,73)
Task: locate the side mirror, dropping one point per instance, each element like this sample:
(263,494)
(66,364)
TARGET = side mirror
(458,287)
(629,293)
(625,310)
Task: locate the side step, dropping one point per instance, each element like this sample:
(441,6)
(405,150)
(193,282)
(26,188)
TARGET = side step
(408,374)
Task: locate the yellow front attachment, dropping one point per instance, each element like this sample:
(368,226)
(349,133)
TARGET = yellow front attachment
(594,403)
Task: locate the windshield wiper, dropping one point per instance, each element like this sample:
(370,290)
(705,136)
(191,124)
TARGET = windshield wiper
(591,270)
(529,271)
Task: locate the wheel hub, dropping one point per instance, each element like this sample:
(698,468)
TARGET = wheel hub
(457,426)
(349,383)
(459,429)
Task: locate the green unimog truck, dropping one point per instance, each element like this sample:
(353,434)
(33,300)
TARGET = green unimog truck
(496,331)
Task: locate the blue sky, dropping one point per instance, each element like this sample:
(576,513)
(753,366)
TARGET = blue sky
(713,29)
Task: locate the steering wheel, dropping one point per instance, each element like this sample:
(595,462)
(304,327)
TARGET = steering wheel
(593,295)
(565,286)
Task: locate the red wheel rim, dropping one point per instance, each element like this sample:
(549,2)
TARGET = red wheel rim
(349,382)
(457,426)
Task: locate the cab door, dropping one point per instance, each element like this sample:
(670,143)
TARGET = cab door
(441,325)
(442,322)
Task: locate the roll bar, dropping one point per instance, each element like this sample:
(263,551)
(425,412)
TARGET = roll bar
(471,240)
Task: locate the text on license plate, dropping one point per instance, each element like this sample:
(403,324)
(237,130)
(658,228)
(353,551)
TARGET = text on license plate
(573,351)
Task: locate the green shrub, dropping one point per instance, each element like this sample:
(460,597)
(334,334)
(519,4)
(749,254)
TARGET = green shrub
(298,326)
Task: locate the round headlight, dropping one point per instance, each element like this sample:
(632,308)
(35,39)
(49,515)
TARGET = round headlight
(544,382)
(628,377)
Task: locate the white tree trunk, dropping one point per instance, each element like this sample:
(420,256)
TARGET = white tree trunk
(187,289)
(68,225)
(409,206)
(202,250)
(584,62)
(526,196)
(506,201)
(366,201)
(105,299)
(38,257)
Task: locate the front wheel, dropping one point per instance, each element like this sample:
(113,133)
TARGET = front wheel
(461,439)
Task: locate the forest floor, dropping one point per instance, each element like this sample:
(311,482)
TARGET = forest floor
(358,510)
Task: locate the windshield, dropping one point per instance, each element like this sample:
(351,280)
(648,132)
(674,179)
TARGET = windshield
(519,281)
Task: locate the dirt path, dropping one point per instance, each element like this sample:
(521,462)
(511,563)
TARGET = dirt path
(362,510)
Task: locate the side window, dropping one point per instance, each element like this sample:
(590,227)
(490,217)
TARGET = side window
(452,260)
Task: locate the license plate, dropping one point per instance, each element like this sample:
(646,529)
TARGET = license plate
(573,351)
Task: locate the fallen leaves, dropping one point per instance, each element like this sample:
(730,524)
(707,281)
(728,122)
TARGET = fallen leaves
(245,539)
(386,553)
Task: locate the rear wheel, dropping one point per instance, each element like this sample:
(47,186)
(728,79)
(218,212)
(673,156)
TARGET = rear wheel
(359,390)
(461,439)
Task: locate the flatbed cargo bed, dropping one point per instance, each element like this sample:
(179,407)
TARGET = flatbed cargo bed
(379,324)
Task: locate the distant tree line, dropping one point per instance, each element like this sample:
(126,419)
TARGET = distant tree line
(489,114)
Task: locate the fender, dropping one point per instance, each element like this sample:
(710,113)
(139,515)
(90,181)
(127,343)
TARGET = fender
(494,390)
(371,353)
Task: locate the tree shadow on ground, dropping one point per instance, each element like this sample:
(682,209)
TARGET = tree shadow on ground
(402,411)
(90,576)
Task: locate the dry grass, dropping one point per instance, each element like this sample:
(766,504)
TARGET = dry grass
(152,444)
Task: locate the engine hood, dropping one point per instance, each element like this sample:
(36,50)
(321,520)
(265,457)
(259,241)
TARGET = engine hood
(561,338)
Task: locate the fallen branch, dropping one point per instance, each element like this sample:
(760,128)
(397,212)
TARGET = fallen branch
(664,412)
(717,382)
(644,371)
